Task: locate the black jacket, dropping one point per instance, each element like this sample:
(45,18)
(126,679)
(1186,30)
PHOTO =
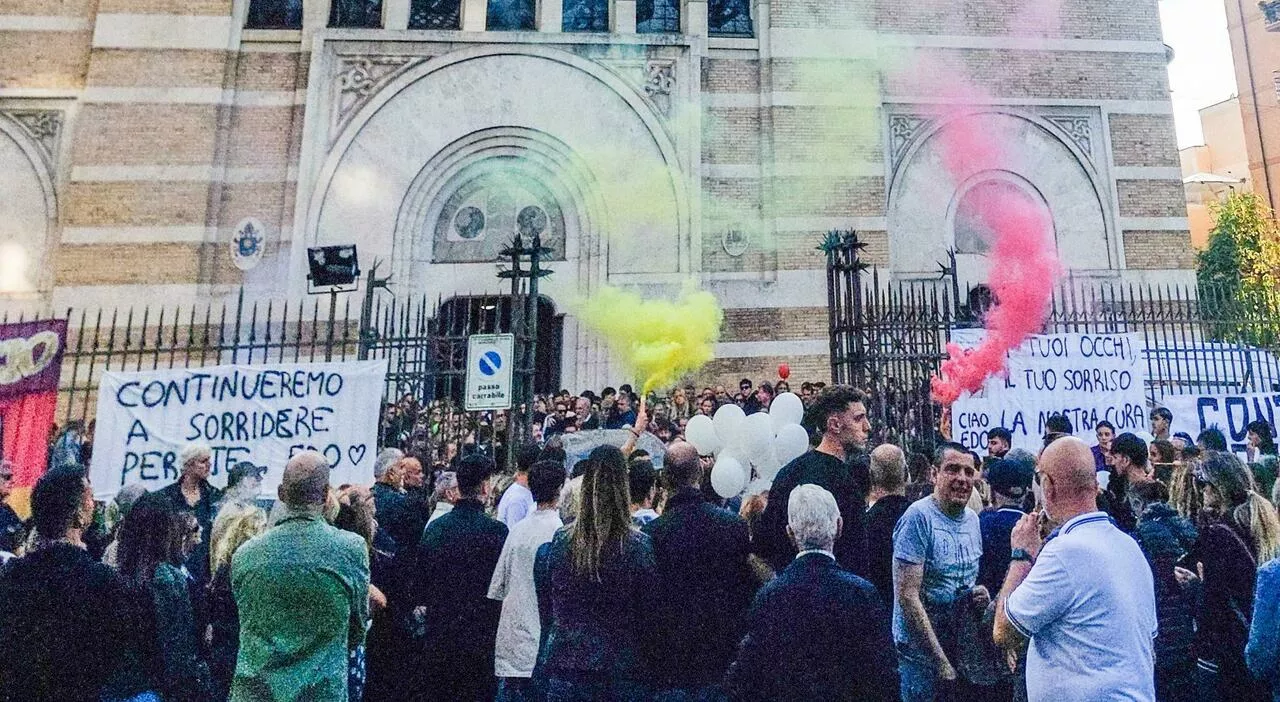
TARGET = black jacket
(591,627)
(60,628)
(882,517)
(1165,537)
(205,511)
(705,586)
(393,516)
(817,632)
(454,565)
(848,482)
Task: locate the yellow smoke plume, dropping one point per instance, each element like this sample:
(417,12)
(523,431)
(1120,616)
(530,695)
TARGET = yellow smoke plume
(658,340)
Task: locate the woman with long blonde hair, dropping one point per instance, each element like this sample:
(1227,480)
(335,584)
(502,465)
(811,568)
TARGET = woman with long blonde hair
(1184,496)
(236,524)
(600,574)
(1239,529)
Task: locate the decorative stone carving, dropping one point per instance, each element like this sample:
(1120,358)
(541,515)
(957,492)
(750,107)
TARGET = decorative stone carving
(359,77)
(43,126)
(659,82)
(1079,129)
(902,129)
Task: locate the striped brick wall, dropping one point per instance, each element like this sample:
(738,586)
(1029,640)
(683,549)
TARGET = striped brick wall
(185,126)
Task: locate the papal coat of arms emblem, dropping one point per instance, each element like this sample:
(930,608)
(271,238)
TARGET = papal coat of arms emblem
(248,243)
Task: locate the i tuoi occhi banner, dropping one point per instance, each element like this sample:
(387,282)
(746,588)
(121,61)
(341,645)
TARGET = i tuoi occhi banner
(262,414)
(1086,377)
(30,365)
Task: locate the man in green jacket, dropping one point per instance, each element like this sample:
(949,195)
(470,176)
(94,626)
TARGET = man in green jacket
(302,590)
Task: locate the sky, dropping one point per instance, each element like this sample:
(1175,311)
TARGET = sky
(1201,72)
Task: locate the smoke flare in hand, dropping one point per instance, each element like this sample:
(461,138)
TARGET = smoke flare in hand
(659,340)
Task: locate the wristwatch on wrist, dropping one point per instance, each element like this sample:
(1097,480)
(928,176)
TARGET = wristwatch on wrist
(1021,554)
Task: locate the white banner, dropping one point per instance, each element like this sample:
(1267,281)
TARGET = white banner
(1085,377)
(1231,413)
(263,414)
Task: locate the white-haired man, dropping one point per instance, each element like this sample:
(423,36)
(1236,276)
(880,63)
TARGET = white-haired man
(193,493)
(816,631)
(389,498)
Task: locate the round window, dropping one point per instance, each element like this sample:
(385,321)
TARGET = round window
(468,222)
(531,221)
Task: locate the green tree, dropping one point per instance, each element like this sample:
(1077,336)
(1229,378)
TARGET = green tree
(1239,270)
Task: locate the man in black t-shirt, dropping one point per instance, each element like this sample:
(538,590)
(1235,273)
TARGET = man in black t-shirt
(60,626)
(840,414)
(888,501)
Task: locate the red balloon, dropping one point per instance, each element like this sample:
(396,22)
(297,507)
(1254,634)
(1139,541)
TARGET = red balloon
(784,371)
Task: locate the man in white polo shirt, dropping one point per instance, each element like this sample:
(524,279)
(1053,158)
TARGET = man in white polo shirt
(1084,597)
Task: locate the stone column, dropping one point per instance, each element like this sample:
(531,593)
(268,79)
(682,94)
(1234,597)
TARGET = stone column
(550,15)
(315,17)
(395,14)
(473,15)
(622,17)
(693,18)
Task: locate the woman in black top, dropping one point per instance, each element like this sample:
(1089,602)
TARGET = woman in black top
(1238,530)
(597,577)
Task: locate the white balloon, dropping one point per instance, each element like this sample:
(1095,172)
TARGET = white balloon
(728,476)
(767,464)
(791,442)
(729,420)
(701,432)
(786,409)
(755,436)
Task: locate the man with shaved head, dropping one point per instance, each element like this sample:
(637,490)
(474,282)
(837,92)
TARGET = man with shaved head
(302,591)
(885,506)
(704,579)
(1084,596)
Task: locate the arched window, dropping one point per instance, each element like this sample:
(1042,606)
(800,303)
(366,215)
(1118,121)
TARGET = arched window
(586,16)
(657,16)
(486,211)
(986,202)
(365,14)
(729,18)
(274,14)
(510,15)
(435,14)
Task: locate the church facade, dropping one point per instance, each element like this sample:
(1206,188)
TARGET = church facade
(171,152)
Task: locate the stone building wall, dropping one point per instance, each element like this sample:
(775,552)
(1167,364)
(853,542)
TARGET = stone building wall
(174,124)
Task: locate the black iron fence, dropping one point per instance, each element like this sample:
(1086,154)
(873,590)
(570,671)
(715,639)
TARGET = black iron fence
(890,337)
(424,342)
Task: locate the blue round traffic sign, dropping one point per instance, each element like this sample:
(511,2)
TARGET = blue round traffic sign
(490,362)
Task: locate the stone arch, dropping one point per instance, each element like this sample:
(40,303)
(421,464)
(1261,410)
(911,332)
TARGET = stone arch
(1048,164)
(536,154)
(1020,185)
(580,112)
(28,210)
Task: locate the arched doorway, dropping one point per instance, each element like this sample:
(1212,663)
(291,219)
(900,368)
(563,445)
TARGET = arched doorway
(459,317)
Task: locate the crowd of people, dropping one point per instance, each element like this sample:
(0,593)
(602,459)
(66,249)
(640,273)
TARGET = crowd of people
(1141,567)
(438,431)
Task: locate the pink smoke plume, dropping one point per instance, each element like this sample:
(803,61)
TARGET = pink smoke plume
(1024,261)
